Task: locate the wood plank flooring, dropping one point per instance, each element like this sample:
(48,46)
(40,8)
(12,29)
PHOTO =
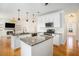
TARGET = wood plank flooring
(58,50)
(5,48)
(62,50)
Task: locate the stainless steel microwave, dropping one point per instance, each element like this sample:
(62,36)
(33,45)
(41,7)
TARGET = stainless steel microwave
(50,24)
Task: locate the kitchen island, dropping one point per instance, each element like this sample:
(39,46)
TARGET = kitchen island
(37,46)
(15,39)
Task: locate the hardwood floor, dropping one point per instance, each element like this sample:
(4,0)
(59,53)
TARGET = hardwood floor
(62,50)
(58,50)
(5,48)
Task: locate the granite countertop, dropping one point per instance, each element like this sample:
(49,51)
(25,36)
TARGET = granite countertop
(36,39)
(20,34)
(37,33)
(23,34)
(57,33)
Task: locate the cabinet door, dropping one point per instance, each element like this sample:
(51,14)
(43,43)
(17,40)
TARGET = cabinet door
(15,42)
(41,20)
(56,40)
(57,20)
(40,24)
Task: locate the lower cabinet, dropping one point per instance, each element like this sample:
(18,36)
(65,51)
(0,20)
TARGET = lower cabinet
(15,42)
(42,49)
(56,40)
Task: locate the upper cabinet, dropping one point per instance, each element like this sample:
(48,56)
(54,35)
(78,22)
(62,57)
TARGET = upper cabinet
(56,18)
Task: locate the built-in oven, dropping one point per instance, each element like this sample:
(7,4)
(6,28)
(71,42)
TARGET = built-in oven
(9,32)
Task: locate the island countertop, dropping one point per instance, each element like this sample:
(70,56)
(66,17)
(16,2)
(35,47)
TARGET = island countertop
(36,39)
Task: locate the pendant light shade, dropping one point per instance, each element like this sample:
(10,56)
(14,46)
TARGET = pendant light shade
(27,16)
(18,14)
(33,18)
(18,18)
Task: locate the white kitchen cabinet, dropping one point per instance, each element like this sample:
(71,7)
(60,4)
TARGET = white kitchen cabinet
(41,49)
(15,42)
(40,24)
(50,18)
(25,49)
(56,39)
(56,18)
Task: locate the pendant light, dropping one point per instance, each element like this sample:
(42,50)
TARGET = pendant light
(33,18)
(27,16)
(18,14)
(38,13)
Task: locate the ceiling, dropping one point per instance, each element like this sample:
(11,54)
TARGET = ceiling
(10,9)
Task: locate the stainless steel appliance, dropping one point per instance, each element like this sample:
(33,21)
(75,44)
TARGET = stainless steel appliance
(49,32)
(49,24)
(9,33)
